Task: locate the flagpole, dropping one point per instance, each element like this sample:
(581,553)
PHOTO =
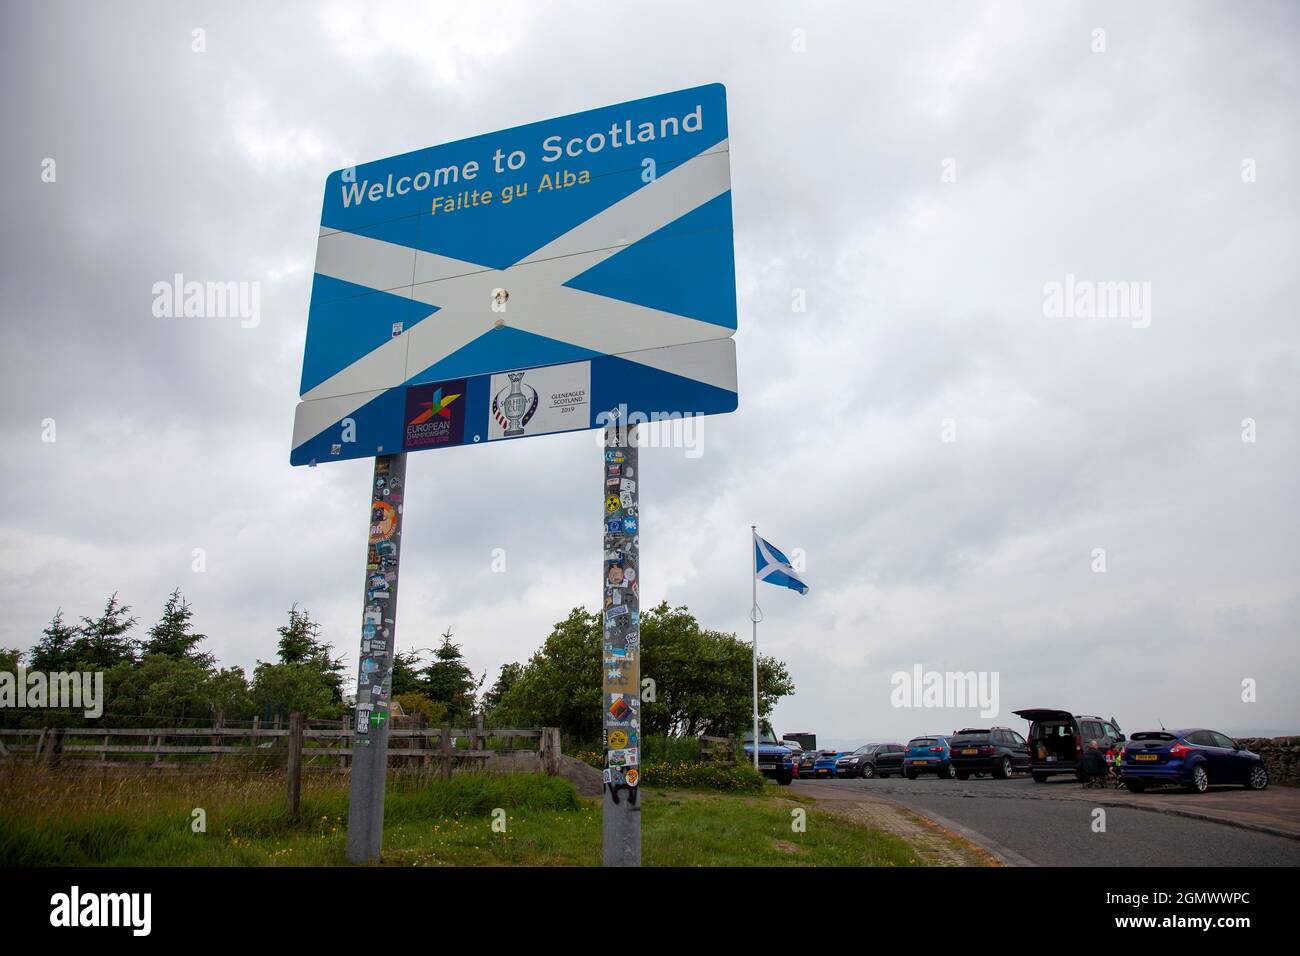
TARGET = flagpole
(753,616)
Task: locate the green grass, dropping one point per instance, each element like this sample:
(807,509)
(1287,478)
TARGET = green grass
(655,748)
(140,820)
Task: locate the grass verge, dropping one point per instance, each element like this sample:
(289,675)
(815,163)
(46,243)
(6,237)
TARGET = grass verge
(136,820)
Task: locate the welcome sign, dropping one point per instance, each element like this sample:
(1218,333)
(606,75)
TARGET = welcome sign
(597,245)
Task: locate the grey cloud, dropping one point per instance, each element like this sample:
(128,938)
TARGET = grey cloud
(924,303)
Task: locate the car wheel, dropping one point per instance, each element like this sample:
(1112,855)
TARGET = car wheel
(949,772)
(910,774)
(783,779)
(1003,769)
(1135,786)
(868,770)
(1039,777)
(1200,780)
(1258,778)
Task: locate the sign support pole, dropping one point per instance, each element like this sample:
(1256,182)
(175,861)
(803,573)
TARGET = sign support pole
(621,648)
(375,662)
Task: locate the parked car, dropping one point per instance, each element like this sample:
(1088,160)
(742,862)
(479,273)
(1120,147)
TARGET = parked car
(890,762)
(824,765)
(928,755)
(774,759)
(1058,740)
(796,754)
(862,762)
(807,761)
(996,750)
(1194,759)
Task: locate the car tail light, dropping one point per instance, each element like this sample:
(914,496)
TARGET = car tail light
(1179,750)
(1078,743)
(986,750)
(936,750)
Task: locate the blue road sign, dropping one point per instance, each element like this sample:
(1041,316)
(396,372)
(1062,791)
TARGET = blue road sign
(542,275)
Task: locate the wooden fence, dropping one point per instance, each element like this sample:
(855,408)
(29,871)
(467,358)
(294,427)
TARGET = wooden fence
(300,745)
(718,750)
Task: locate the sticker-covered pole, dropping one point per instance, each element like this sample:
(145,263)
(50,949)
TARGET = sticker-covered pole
(375,662)
(621,648)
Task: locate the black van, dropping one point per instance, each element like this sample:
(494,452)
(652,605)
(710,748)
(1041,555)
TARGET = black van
(1058,740)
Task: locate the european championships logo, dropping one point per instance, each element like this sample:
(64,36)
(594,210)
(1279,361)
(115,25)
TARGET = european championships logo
(435,422)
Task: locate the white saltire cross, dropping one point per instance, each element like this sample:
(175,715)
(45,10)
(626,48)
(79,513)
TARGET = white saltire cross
(539,302)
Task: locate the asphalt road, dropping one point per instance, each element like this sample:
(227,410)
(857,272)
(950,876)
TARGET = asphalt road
(1051,824)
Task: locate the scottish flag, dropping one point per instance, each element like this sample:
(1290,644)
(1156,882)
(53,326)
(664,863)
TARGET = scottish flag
(772,566)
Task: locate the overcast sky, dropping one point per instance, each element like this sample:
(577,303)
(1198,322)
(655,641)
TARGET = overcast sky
(922,171)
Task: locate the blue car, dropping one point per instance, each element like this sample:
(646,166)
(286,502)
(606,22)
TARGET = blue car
(774,758)
(824,765)
(1194,759)
(928,755)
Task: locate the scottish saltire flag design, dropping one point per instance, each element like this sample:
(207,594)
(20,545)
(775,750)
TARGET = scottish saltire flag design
(772,566)
(583,238)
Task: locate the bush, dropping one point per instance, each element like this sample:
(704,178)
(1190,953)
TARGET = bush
(655,748)
(413,703)
(740,778)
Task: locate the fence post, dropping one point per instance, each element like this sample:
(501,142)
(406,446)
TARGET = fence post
(345,744)
(56,747)
(480,741)
(550,750)
(444,746)
(295,766)
(217,724)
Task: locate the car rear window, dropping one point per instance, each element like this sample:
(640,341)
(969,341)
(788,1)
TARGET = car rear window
(1152,735)
(1053,728)
(922,742)
(978,736)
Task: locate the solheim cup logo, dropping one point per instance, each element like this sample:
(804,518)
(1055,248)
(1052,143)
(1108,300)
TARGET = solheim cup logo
(514,407)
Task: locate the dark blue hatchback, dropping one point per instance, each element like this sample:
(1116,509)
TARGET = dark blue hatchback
(1194,759)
